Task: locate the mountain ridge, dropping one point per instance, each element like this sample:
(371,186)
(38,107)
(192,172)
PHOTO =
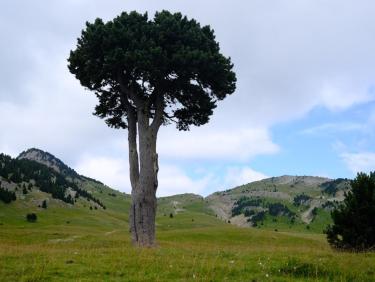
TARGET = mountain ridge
(296,201)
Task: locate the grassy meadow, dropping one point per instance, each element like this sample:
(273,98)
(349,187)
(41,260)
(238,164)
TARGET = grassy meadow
(78,244)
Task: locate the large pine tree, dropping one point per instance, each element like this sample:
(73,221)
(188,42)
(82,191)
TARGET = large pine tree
(146,73)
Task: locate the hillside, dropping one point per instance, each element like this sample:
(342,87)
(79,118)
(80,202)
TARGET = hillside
(36,176)
(286,202)
(299,203)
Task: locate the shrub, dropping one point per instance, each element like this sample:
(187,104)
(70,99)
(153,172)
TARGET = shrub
(276,209)
(243,204)
(354,219)
(7,196)
(31,217)
(260,216)
(301,199)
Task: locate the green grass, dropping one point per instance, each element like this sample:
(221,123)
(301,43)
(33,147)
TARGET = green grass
(192,246)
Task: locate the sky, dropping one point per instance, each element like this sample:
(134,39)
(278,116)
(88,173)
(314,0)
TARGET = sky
(304,104)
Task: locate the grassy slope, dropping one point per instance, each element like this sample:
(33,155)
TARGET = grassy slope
(193,245)
(279,192)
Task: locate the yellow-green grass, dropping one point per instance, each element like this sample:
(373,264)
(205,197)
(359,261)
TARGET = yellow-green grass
(192,246)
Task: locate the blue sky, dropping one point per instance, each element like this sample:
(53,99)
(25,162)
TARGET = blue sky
(304,104)
(316,143)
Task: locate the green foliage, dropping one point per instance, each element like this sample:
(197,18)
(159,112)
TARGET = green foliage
(278,209)
(44,204)
(354,220)
(329,205)
(242,205)
(331,187)
(301,199)
(314,212)
(31,217)
(168,57)
(6,196)
(248,207)
(257,217)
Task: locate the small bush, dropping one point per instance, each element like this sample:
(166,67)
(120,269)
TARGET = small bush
(31,217)
(171,215)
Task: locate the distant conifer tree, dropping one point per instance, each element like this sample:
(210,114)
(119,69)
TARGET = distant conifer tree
(354,220)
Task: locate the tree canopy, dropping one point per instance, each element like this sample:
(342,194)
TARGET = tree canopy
(169,62)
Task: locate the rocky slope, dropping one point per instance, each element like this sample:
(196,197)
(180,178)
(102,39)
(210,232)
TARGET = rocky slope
(292,199)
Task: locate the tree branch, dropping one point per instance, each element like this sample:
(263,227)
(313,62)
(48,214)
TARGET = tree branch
(159,112)
(129,92)
(132,139)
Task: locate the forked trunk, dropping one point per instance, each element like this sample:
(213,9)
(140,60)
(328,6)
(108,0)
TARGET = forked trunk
(143,207)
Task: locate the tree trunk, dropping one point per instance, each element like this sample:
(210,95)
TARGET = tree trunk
(143,207)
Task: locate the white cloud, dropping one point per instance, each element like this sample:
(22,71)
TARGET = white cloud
(113,172)
(236,176)
(359,162)
(222,144)
(173,180)
(334,127)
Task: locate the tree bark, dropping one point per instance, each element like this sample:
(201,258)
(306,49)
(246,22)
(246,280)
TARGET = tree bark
(144,196)
(143,168)
(133,166)
(144,181)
